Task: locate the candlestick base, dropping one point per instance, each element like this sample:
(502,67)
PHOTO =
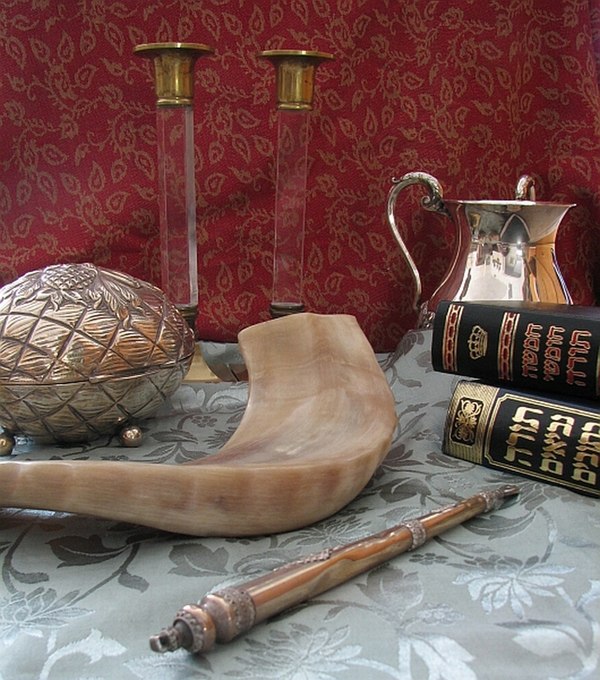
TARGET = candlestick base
(279,309)
(200,371)
(190,314)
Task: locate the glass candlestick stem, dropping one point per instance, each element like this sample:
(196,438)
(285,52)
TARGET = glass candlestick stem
(290,212)
(295,70)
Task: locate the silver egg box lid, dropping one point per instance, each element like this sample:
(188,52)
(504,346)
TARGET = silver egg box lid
(80,323)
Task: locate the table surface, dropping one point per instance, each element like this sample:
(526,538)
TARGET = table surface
(512,594)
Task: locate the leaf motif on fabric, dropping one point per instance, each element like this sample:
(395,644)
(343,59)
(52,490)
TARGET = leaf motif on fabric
(550,640)
(81,550)
(132,581)
(191,559)
(94,648)
(444,658)
(391,587)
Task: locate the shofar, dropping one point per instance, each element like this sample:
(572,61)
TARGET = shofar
(320,418)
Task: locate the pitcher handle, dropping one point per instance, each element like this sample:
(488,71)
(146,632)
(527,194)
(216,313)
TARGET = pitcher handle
(433,201)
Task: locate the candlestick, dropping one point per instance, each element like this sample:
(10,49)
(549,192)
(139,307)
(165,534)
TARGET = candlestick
(174,86)
(295,71)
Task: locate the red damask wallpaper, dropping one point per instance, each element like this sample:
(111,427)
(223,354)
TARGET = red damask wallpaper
(474,93)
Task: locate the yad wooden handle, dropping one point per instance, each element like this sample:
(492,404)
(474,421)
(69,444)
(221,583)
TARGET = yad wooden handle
(225,614)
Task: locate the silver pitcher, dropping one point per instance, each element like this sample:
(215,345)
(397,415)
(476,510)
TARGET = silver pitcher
(505,249)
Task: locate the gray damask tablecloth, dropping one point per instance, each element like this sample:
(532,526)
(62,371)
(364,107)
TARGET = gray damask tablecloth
(512,594)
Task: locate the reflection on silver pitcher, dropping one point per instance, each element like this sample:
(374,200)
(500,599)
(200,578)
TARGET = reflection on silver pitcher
(505,250)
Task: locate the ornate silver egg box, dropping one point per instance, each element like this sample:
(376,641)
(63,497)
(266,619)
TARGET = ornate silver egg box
(86,351)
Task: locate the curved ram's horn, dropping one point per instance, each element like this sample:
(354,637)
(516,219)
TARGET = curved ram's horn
(319,420)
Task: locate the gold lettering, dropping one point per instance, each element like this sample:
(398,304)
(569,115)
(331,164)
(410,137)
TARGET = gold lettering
(529,366)
(590,438)
(531,347)
(559,421)
(532,342)
(551,465)
(553,443)
(577,346)
(553,352)
(512,454)
(582,473)
(555,336)
(554,447)
(573,374)
(521,417)
(592,427)
(551,369)
(591,458)
(577,341)
(588,454)
(522,427)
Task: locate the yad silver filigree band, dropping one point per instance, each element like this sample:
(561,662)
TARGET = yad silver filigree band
(418,532)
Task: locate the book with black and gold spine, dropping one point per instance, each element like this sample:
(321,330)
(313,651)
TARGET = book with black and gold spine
(542,437)
(533,345)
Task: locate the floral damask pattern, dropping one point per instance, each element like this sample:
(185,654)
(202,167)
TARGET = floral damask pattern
(474,93)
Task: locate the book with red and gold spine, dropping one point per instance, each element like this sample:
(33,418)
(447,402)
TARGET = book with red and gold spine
(533,345)
(534,435)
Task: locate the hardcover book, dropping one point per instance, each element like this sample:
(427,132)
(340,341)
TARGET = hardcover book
(542,437)
(540,346)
